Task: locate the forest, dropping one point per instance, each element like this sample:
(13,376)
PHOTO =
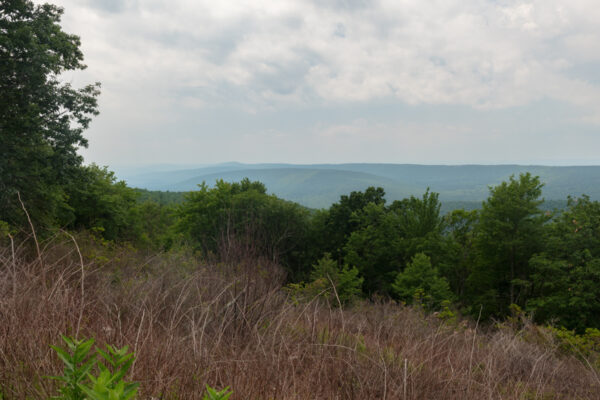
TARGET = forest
(363,299)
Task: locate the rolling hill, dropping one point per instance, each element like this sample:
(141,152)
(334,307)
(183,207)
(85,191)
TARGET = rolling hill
(319,185)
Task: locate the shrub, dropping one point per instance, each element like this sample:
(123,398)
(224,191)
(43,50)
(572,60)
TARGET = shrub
(330,281)
(585,346)
(79,361)
(421,283)
(109,384)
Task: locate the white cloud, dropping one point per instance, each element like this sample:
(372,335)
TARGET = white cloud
(158,57)
(473,52)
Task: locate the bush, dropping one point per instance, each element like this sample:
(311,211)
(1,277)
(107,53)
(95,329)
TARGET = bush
(330,281)
(421,283)
(108,384)
(585,346)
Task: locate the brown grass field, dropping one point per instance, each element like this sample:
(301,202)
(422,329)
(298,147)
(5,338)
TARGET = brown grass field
(229,323)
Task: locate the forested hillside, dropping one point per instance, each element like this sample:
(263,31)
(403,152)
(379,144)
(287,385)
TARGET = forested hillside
(320,185)
(372,296)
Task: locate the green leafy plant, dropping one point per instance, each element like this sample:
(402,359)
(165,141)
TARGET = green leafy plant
(78,362)
(118,361)
(584,346)
(421,283)
(212,394)
(339,284)
(108,384)
(107,387)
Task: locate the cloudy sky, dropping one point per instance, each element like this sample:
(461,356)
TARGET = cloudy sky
(302,81)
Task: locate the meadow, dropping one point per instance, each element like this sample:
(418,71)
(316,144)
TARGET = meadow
(229,322)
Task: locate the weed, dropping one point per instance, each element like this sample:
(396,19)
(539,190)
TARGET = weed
(79,361)
(212,394)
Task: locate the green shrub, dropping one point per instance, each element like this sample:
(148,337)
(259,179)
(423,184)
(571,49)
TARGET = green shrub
(330,281)
(79,361)
(112,364)
(582,346)
(212,394)
(420,283)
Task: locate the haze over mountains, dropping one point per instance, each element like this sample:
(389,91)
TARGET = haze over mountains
(319,185)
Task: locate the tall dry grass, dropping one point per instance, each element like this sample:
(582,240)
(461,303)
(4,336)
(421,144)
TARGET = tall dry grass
(229,324)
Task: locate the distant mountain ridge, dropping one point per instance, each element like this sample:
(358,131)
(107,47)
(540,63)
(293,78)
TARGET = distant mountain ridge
(319,185)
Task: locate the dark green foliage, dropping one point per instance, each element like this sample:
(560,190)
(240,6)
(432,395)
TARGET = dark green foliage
(421,283)
(566,274)
(421,224)
(459,252)
(78,362)
(386,238)
(510,231)
(376,247)
(79,380)
(341,283)
(98,201)
(41,119)
(240,216)
(341,219)
(152,225)
(419,216)
(163,198)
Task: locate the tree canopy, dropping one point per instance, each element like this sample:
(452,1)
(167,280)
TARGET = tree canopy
(510,231)
(41,118)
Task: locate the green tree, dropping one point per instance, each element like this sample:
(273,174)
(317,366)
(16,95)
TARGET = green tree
(459,252)
(337,224)
(152,225)
(566,275)
(41,118)
(421,282)
(376,248)
(510,231)
(386,238)
(328,277)
(241,216)
(98,201)
(421,225)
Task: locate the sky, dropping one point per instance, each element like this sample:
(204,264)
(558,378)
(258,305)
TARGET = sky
(334,81)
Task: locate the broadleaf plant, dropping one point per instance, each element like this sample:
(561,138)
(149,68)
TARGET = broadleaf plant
(79,381)
(78,362)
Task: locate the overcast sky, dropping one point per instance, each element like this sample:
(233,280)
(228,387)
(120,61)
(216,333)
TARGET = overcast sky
(300,81)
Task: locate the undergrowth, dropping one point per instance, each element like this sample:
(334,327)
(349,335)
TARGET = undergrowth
(229,324)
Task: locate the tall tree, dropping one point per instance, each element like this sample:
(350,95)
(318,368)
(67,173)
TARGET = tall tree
(99,201)
(510,231)
(566,275)
(41,118)
(338,223)
(459,253)
(386,238)
(421,225)
(376,248)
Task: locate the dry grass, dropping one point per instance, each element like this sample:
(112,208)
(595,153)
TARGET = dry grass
(230,324)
